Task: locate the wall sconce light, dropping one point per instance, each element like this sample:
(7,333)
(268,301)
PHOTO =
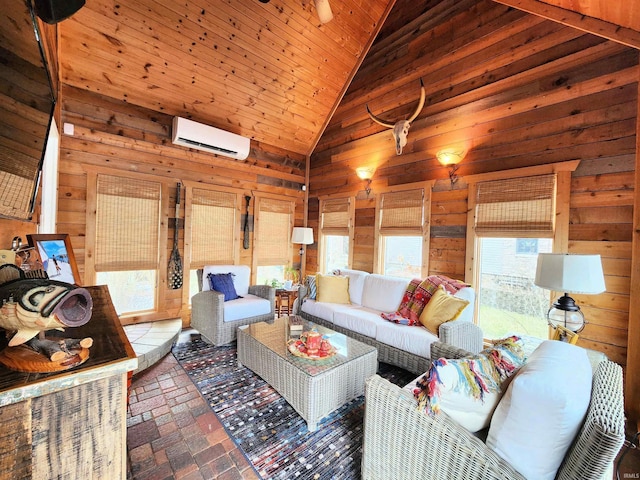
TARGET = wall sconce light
(450,158)
(366,174)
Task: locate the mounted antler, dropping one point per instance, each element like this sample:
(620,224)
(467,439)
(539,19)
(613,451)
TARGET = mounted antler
(401,127)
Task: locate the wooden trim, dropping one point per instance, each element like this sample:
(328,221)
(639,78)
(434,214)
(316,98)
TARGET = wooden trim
(116,172)
(426,230)
(90,229)
(352,228)
(569,166)
(632,376)
(563,194)
(470,272)
(596,26)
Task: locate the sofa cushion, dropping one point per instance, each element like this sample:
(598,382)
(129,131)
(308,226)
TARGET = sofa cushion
(443,307)
(245,307)
(223,283)
(240,280)
(542,410)
(383,293)
(356,283)
(323,310)
(332,288)
(469,389)
(414,339)
(359,320)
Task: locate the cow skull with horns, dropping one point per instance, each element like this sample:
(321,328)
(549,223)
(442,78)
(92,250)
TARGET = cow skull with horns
(401,127)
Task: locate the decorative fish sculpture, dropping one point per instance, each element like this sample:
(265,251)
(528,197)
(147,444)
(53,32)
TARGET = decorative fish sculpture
(30,306)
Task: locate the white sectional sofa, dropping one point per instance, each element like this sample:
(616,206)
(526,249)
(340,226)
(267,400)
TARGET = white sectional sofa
(405,346)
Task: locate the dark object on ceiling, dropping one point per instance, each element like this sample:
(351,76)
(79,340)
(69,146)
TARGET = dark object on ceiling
(54,11)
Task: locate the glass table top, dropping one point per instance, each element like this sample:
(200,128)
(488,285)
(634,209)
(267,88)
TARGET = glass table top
(276,337)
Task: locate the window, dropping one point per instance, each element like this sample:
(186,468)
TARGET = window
(403,233)
(126,243)
(272,238)
(336,231)
(509,302)
(513,220)
(212,229)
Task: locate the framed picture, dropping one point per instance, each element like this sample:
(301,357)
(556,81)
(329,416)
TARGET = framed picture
(565,335)
(56,256)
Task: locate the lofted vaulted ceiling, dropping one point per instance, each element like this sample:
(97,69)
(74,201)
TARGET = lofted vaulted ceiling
(268,71)
(271,72)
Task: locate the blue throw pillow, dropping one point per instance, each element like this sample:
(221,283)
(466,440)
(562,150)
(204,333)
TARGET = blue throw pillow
(223,283)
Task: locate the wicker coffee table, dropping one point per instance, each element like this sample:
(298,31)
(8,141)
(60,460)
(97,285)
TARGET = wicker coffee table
(314,388)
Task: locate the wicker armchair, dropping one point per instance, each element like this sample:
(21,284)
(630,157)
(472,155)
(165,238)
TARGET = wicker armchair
(208,308)
(401,442)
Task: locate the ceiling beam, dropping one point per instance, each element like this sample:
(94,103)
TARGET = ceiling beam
(596,26)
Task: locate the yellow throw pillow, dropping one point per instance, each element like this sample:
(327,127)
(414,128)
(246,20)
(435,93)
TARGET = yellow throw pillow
(441,308)
(332,288)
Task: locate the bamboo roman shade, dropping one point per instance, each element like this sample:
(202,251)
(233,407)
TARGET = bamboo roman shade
(275,219)
(516,207)
(335,216)
(127,224)
(402,212)
(213,227)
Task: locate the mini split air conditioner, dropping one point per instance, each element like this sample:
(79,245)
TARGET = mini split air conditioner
(209,139)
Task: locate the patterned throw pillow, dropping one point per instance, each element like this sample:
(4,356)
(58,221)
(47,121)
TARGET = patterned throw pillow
(310,283)
(469,389)
(223,283)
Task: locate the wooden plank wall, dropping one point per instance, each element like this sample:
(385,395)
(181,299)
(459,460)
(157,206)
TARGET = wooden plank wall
(511,90)
(124,138)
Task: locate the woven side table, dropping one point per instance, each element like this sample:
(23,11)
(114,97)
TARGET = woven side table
(314,388)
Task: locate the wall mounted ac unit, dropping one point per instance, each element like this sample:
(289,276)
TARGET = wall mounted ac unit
(209,139)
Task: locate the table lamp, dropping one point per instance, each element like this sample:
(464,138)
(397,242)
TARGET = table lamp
(567,273)
(302,236)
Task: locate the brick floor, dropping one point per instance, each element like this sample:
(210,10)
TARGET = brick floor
(173,434)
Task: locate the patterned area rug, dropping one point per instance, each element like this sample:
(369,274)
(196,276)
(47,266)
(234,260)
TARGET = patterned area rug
(272,435)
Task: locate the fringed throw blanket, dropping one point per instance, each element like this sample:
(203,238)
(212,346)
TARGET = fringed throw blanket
(417,295)
(477,375)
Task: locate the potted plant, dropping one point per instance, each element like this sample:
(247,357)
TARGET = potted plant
(291,274)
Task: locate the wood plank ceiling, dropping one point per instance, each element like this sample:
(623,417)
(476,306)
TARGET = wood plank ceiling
(271,72)
(626,14)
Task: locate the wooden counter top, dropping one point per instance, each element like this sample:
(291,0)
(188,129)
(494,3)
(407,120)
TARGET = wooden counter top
(110,354)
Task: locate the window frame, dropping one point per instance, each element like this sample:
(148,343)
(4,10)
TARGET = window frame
(160,310)
(560,236)
(189,186)
(348,231)
(257,244)
(427,188)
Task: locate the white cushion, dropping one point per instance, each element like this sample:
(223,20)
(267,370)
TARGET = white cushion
(540,414)
(241,278)
(245,307)
(412,339)
(323,310)
(356,284)
(359,320)
(469,294)
(383,293)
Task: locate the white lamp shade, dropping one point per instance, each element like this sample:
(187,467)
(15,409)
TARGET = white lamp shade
(302,235)
(562,272)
